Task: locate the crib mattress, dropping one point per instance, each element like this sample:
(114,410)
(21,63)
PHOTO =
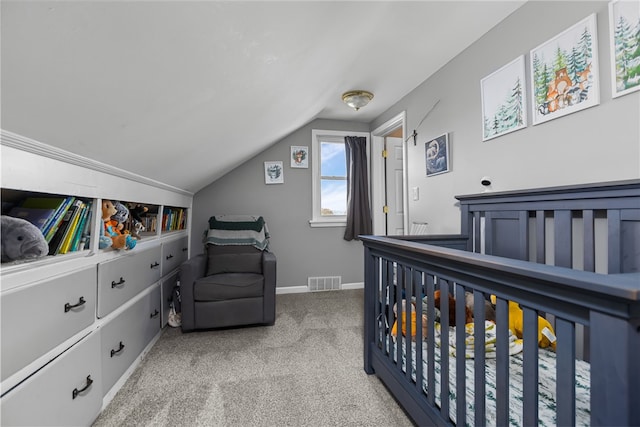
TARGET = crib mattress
(546,387)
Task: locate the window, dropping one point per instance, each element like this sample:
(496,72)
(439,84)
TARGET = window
(329,165)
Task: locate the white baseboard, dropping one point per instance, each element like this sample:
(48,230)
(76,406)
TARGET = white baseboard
(346,286)
(305,289)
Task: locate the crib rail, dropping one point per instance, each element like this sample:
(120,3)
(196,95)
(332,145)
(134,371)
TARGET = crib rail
(397,269)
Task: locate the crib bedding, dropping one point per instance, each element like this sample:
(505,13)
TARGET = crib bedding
(546,386)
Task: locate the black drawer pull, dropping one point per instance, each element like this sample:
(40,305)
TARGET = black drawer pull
(76,392)
(185,249)
(114,284)
(154,265)
(169,256)
(120,348)
(154,314)
(68,307)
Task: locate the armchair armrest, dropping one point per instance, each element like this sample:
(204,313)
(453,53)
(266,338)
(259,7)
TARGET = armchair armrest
(190,271)
(269,272)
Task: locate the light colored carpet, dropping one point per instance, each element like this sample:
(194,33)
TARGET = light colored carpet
(304,371)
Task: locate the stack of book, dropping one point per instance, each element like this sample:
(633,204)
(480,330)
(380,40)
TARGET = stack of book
(65,222)
(173,219)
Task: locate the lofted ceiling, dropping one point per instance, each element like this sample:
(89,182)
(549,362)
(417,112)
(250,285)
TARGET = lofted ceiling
(184,91)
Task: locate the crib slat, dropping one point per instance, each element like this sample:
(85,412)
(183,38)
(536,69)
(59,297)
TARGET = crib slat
(479,363)
(565,373)
(530,367)
(388,274)
(444,347)
(418,284)
(614,247)
(431,381)
(399,310)
(502,363)
(562,238)
(461,384)
(540,237)
(406,281)
(589,255)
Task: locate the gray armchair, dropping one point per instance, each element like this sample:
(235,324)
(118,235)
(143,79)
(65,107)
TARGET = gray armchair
(228,286)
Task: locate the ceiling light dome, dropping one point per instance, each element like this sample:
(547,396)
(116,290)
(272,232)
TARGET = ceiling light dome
(357,99)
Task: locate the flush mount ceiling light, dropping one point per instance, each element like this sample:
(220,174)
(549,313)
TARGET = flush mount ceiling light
(357,99)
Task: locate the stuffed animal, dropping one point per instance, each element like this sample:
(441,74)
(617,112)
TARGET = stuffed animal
(468,316)
(403,323)
(21,240)
(118,240)
(546,334)
(137,211)
(121,216)
(489,310)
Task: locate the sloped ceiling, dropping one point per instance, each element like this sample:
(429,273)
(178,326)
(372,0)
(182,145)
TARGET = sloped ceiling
(184,91)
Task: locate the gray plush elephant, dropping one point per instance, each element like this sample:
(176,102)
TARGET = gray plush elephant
(21,239)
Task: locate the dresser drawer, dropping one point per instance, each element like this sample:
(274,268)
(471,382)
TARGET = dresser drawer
(122,278)
(65,392)
(174,253)
(168,283)
(124,337)
(38,317)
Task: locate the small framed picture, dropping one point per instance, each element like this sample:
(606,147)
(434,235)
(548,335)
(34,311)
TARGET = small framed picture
(273,173)
(437,155)
(299,157)
(624,16)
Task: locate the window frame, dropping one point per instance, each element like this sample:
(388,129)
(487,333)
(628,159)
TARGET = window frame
(317,136)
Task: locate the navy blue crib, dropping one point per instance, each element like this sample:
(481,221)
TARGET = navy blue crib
(570,255)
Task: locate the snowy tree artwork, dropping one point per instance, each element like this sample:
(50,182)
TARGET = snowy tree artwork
(564,72)
(504,100)
(624,28)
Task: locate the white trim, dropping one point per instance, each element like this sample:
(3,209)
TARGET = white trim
(349,286)
(305,289)
(13,140)
(292,290)
(377,173)
(316,219)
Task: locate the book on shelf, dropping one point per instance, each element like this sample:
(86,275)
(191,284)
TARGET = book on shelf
(73,228)
(51,230)
(58,238)
(85,237)
(39,217)
(55,203)
(84,218)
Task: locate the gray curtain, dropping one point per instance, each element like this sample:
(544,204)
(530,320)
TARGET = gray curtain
(358,208)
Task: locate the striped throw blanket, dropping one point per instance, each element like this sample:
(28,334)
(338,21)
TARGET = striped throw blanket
(238,230)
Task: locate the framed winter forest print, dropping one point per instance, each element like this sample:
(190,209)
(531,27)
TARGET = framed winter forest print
(504,100)
(624,27)
(564,72)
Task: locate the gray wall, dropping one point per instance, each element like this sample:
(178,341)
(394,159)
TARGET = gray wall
(302,251)
(601,143)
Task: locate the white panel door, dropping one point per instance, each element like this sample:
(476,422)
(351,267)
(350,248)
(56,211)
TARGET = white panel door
(394,173)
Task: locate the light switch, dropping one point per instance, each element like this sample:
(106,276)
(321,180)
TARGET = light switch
(416,193)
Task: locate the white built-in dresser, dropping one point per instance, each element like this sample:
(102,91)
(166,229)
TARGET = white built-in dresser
(75,326)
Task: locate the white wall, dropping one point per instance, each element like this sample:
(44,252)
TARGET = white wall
(601,143)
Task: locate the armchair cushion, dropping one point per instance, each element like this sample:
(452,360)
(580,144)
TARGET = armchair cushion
(226,286)
(233,259)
